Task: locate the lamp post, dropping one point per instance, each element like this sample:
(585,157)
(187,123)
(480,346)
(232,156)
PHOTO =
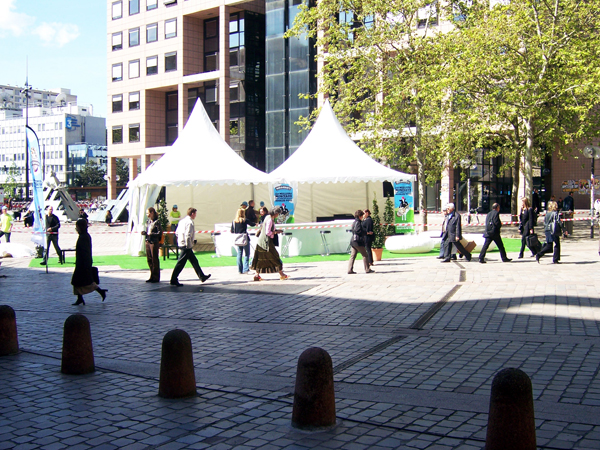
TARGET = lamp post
(26,92)
(593,153)
(469,165)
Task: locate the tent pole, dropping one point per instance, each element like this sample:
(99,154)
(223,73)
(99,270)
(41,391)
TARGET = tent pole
(312,204)
(367,194)
(251,191)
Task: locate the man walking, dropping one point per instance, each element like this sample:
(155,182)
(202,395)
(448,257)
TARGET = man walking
(568,208)
(367,225)
(453,235)
(493,224)
(185,241)
(52,226)
(6,223)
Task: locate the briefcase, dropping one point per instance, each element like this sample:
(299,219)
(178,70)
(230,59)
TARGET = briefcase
(533,243)
(468,245)
(95,275)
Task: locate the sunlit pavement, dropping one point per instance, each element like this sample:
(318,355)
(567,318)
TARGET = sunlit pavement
(414,346)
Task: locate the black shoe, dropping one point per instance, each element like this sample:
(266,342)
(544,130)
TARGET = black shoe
(482,261)
(79,302)
(507,260)
(520,257)
(204,278)
(149,281)
(370,271)
(468,258)
(176,283)
(453,257)
(352,273)
(103,293)
(445,260)
(154,281)
(43,263)
(556,262)
(439,257)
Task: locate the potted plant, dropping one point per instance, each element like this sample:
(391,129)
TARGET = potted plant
(378,232)
(389,229)
(163,219)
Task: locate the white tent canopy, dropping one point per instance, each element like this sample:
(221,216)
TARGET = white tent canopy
(334,175)
(199,170)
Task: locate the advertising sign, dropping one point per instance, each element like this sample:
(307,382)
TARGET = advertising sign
(37,180)
(284,196)
(404,206)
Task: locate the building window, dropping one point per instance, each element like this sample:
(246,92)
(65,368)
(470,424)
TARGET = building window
(117,72)
(134,100)
(117,41)
(134,132)
(170,28)
(211,94)
(134,69)
(117,135)
(211,62)
(117,10)
(134,7)
(152,32)
(152,65)
(172,102)
(134,37)
(117,103)
(170,61)
(151,4)
(234,93)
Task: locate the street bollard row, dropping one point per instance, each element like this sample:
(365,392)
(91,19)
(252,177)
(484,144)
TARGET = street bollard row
(511,420)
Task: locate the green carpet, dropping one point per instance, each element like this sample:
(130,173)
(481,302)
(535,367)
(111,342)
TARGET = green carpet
(206,258)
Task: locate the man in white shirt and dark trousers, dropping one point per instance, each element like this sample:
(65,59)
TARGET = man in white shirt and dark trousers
(185,241)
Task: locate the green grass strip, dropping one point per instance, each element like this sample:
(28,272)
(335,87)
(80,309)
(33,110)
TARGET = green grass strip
(207,259)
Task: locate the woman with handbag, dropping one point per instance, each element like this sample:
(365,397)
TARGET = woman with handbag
(553,231)
(266,259)
(84,278)
(239,230)
(153,234)
(526,224)
(358,243)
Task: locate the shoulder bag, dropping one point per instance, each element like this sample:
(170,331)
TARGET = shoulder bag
(239,239)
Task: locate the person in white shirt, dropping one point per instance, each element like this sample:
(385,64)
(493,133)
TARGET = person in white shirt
(185,241)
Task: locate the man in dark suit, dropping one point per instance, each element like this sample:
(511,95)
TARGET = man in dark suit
(367,225)
(453,234)
(568,208)
(52,226)
(535,202)
(493,224)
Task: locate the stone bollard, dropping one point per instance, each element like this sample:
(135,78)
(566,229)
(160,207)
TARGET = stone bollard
(9,343)
(177,377)
(314,397)
(77,353)
(511,422)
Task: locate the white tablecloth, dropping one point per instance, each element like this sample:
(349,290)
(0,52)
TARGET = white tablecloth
(303,241)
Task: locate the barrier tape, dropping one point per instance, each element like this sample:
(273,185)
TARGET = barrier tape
(307,227)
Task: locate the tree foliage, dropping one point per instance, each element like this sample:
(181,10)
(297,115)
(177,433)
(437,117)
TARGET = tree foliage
(122,171)
(524,80)
(10,185)
(91,175)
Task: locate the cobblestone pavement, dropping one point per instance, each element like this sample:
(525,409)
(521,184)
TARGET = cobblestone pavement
(415,347)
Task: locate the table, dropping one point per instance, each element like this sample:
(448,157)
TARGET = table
(304,240)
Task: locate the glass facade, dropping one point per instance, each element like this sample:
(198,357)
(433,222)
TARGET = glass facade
(290,72)
(78,155)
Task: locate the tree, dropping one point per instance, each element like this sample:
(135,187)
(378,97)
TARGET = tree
(524,80)
(10,184)
(122,171)
(378,60)
(91,175)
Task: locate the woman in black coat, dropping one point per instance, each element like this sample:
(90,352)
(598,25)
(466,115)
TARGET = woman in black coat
(83,277)
(526,223)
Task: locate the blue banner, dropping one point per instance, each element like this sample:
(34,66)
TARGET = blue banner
(37,181)
(284,197)
(404,206)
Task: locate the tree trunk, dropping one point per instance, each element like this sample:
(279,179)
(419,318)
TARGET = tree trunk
(527,157)
(422,188)
(514,195)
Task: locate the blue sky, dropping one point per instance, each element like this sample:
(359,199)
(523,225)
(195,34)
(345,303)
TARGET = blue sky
(65,42)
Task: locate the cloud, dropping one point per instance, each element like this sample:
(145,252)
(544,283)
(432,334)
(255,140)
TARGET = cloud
(19,24)
(57,33)
(11,21)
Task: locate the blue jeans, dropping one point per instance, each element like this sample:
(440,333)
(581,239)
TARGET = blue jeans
(243,267)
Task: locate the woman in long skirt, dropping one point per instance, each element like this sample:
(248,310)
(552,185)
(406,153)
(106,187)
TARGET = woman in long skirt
(83,277)
(266,259)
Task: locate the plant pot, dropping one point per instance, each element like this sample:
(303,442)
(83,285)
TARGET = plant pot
(377,253)
(161,251)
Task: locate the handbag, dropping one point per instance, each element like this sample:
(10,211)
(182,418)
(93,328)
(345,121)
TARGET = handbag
(556,227)
(95,275)
(241,239)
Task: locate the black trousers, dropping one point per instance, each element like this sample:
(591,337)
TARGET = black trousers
(2,233)
(54,239)
(153,260)
(547,248)
(369,252)
(488,240)
(186,254)
(463,251)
